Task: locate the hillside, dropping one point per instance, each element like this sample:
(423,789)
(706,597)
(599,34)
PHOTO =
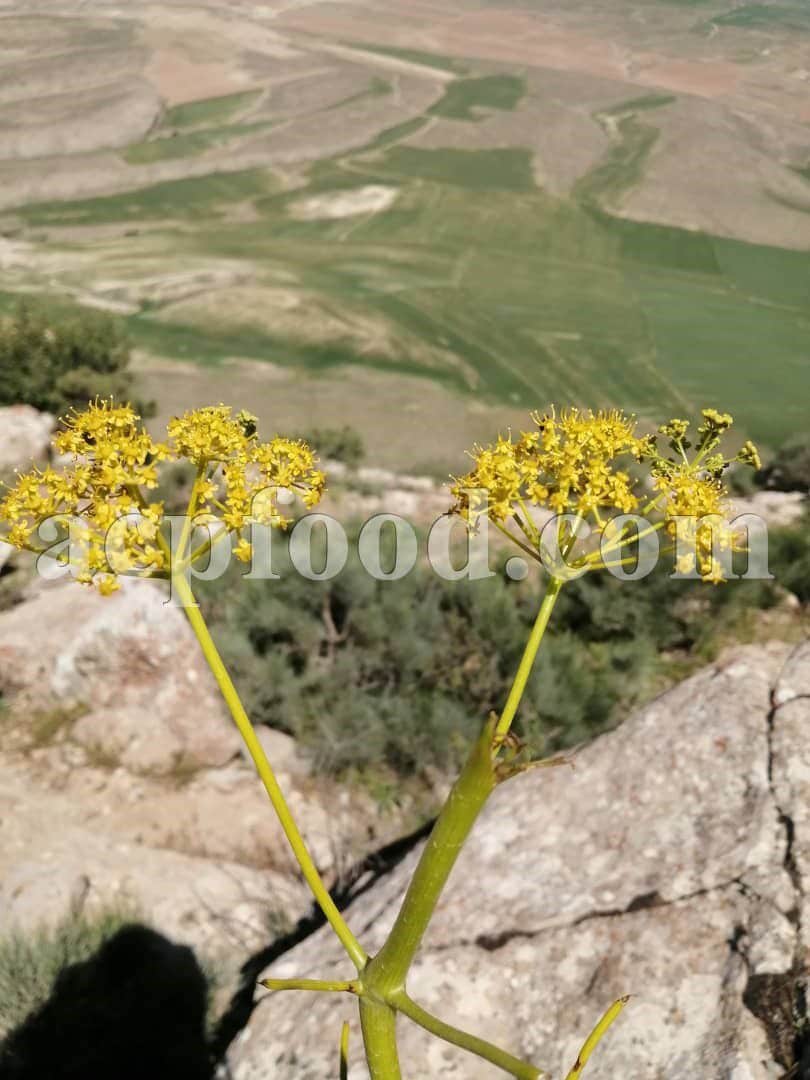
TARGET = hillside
(518,201)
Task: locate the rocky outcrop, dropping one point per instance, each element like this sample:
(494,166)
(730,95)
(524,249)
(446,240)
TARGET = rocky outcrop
(777,508)
(54,856)
(129,663)
(25,436)
(671,863)
(123,777)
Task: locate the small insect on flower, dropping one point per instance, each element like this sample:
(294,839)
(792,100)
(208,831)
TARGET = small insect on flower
(99,502)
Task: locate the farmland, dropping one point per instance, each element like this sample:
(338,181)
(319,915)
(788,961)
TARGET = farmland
(437,219)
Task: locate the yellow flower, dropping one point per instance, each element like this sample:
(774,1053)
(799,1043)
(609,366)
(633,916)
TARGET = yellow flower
(243,551)
(749,455)
(107,585)
(576,463)
(567,464)
(114,462)
(210,434)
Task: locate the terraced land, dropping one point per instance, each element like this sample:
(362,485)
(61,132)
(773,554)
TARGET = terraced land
(340,206)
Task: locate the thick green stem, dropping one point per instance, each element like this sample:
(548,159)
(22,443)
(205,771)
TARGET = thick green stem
(379,1025)
(385,976)
(483,1049)
(389,967)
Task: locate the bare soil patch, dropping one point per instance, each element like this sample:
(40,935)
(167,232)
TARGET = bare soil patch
(408,423)
(371,199)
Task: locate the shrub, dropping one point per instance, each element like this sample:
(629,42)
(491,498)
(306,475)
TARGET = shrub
(398,675)
(790,468)
(30,962)
(337,444)
(56,361)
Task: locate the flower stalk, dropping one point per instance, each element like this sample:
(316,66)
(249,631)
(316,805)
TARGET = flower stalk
(353,948)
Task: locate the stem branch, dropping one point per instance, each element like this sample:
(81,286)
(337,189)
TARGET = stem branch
(310,872)
(483,1049)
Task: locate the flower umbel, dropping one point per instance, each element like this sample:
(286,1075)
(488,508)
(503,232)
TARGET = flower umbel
(591,466)
(99,501)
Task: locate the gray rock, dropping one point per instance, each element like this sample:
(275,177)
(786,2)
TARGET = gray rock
(25,435)
(662,865)
(777,508)
(50,855)
(131,662)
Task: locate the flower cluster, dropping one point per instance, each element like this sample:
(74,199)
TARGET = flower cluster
(592,465)
(568,465)
(239,478)
(98,505)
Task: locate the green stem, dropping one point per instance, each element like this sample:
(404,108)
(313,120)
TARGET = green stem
(344,1051)
(486,1050)
(378,1022)
(321,985)
(527,660)
(355,951)
(386,973)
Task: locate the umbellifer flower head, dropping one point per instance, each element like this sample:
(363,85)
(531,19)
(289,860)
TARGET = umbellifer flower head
(591,465)
(100,502)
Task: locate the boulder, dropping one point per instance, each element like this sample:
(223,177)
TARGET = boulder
(130,663)
(777,508)
(111,703)
(25,436)
(670,863)
(52,857)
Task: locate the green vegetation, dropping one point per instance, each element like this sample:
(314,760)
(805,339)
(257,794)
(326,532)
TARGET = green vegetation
(498,287)
(387,137)
(377,87)
(168,146)
(191,129)
(495,170)
(56,361)
(31,962)
(171,199)
(639,104)
(210,111)
(766,16)
(622,167)
(387,678)
(337,444)
(463,96)
(790,468)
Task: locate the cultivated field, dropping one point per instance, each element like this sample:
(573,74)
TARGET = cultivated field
(493,204)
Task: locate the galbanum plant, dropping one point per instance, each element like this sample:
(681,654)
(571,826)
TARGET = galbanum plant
(599,489)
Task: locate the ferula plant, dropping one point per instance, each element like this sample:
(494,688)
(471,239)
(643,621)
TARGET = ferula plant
(601,487)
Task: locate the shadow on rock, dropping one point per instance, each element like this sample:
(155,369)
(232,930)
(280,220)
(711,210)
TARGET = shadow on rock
(135,1009)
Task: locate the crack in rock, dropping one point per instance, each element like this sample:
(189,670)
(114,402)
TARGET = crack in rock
(779,999)
(644,902)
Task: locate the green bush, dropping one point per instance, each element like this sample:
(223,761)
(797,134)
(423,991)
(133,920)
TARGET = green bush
(337,444)
(790,468)
(30,962)
(399,675)
(57,360)
(790,558)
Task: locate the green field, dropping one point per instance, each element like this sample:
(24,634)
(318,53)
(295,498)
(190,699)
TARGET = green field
(622,167)
(487,92)
(473,277)
(767,16)
(210,112)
